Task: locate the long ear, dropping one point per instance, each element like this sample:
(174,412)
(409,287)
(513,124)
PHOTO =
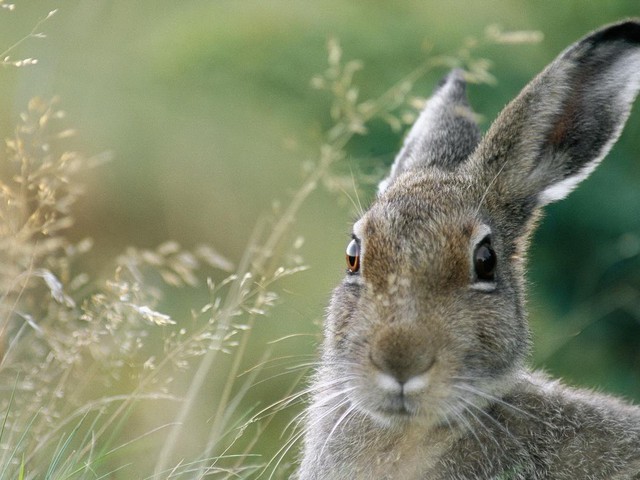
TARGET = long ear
(444,135)
(564,122)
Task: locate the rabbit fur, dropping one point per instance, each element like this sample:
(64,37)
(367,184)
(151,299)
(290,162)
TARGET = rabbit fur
(423,373)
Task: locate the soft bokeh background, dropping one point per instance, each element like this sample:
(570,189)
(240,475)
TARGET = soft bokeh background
(207,109)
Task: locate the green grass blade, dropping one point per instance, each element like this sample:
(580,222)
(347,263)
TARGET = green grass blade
(21,473)
(6,415)
(19,444)
(58,455)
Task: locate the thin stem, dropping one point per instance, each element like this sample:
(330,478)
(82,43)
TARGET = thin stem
(31,34)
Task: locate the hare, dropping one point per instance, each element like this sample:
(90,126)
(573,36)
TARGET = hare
(423,372)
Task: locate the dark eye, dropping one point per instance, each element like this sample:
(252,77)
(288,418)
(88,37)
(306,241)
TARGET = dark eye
(485,260)
(353,256)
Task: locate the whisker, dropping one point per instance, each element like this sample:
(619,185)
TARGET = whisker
(281,374)
(279,362)
(493,398)
(360,208)
(294,398)
(468,406)
(281,453)
(347,412)
(489,186)
(296,422)
(493,420)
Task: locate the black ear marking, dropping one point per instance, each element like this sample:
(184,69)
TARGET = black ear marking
(627,31)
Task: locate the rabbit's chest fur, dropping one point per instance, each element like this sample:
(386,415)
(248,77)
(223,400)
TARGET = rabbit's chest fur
(546,430)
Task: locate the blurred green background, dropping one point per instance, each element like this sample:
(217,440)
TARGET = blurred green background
(207,109)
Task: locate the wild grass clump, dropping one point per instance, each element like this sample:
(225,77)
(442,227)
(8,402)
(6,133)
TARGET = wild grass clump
(66,335)
(82,354)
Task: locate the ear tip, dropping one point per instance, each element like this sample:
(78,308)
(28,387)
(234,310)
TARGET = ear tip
(456,75)
(627,31)
(455,81)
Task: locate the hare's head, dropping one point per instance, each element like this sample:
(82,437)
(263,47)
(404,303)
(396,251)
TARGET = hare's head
(430,318)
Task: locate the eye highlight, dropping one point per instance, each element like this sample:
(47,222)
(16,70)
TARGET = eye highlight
(353,256)
(485,260)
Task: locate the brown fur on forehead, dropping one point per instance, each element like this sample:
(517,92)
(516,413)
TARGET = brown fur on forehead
(422,225)
(445,190)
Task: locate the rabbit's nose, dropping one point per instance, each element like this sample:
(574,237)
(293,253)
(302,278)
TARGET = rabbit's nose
(401,353)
